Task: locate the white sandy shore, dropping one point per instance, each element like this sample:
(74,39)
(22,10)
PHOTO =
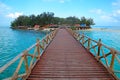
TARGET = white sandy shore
(103,29)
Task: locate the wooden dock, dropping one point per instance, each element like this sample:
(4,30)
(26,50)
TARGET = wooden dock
(66,59)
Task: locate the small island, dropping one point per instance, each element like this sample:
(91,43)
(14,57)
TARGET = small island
(47,20)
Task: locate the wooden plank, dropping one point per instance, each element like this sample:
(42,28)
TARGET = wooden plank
(67,59)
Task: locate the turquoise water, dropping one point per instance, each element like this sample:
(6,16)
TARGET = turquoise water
(109,37)
(13,42)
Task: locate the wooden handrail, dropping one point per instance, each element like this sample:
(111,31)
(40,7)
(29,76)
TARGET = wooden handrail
(98,50)
(39,46)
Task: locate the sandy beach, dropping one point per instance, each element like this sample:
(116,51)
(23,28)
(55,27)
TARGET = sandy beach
(103,29)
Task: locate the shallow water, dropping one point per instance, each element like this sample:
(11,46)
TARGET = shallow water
(13,42)
(109,37)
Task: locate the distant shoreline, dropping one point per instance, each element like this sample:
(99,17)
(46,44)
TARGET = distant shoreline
(102,29)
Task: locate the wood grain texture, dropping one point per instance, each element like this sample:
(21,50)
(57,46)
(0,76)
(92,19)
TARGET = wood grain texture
(67,59)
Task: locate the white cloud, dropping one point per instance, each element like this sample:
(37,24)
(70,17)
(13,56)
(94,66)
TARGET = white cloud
(97,11)
(3,8)
(60,1)
(118,11)
(116,3)
(14,15)
(2,5)
(108,18)
(48,0)
(111,17)
(114,16)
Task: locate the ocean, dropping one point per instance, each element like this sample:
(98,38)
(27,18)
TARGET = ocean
(110,36)
(13,42)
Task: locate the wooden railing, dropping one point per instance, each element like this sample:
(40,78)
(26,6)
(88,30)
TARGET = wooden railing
(109,57)
(27,59)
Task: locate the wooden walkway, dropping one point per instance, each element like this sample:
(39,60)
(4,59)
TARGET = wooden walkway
(67,59)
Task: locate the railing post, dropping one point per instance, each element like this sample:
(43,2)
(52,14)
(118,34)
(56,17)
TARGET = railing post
(82,39)
(50,37)
(38,47)
(15,75)
(47,38)
(113,52)
(43,44)
(26,61)
(72,32)
(74,35)
(99,47)
(88,47)
(78,37)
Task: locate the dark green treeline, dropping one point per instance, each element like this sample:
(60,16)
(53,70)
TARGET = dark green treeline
(46,18)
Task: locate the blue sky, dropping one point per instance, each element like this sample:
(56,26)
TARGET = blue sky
(104,12)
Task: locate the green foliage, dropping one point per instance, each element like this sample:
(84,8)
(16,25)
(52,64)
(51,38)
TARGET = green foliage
(21,21)
(72,20)
(33,20)
(90,22)
(83,20)
(46,18)
(29,21)
(73,27)
(86,21)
